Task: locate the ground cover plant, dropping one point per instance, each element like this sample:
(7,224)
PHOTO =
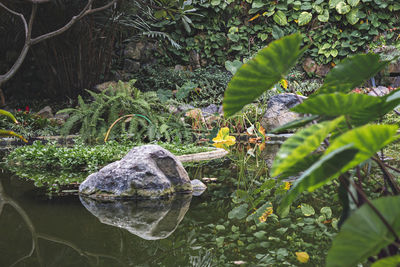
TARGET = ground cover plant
(343,122)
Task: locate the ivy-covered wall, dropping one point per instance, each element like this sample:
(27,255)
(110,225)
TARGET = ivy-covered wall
(220,30)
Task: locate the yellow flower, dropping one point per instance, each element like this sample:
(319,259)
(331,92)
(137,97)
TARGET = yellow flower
(302,257)
(264,216)
(287,185)
(284,83)
(223,139)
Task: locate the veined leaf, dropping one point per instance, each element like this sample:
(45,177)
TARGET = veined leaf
(368,139)
(322,171)
(393,261)
(301,165)
(336,104)
(262,72)
(301,144)
(387,104)
(352,72)
(295,124)
(363,234)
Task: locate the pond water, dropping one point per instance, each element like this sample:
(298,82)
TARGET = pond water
(69,231)
(213,229)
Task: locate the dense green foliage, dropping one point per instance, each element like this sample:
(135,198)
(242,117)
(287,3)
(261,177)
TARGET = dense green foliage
(340,141)
(53,166)
(92,119)
(237,29)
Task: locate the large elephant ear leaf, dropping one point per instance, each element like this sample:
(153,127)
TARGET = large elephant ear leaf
(386,104)
(363,234)
(262,72)
(322,171)
(336,104)
(368,139)
(352,72)
(302,144)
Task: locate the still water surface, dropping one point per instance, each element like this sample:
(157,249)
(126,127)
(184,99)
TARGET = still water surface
(69,231)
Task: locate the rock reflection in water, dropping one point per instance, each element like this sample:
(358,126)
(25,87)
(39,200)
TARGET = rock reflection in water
(150,219)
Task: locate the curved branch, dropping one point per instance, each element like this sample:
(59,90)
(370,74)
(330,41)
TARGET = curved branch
(19,15)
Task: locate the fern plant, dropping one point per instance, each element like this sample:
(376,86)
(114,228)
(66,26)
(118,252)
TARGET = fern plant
(92,119)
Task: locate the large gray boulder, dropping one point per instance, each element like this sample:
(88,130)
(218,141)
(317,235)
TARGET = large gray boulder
(148,171)
(150,219)
(278,111)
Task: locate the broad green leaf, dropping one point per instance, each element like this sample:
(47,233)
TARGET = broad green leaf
(239,212)
(262,72)
(353,3)
(304,18)
(343,8)
(280,18)
(322,171)
(378,110)
(352,72)
(324,17)
(336,104)
(233,66)
(301,144)
(334,3)
(327,211)
(307,210)
(368,139)
(352,16)
(9,115)
(363,234)
(300,165)
(393,261)
(295,124)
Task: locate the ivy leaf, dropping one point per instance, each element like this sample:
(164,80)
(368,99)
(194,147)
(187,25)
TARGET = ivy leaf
(336,104)
(304,18)
(363,234)
(280,18)
(343,8)
(353,3)
(352,72)
(352,16)
(301,144)
(262,72)
(324,17)
(307,210)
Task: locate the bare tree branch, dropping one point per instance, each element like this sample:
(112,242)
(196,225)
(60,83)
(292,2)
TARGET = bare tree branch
(29,41)
(19,15)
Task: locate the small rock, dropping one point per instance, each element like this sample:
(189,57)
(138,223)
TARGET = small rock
(322,70)
(309,65)
(61,118)
(131,65)
(45,112)
(209,179)
(379,91)
(185,107)
(104,86)
(133,50)
(194,59)
(179,68)
(198,187)
(278,113)
(210,110)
